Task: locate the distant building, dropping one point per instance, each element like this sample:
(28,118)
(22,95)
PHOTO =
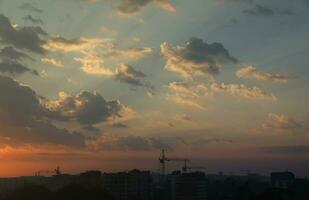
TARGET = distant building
(282,179)
(132,185)
(189,186)
(90,179)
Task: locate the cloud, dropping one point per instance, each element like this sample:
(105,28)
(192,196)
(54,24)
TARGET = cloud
(282,123)
(52,61)
(188,90)
(71,45)
(94,52)
(10,62)
(87,108)
(187,94)
(251,72)
(91,128)
(14,68)
(33,20)
(12,54)
(25,121)
(28,118)
(94,64)
(259,10)
(242,91)
(128,143)
(30,7)
(130,7)
(103,47)
(28,38)
(127,74)
(196,58)
(184,117)
(120,125)
(238,1)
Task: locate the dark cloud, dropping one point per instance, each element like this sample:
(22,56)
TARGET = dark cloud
(33,20)
(199,51)
(129,7)
(27,118)
(62,40)
(120,125)
(12,54)
(87,108)
(24,120)
(91,128)
(196,58)
(127,74)
(28,38)
(15,68)
(10,62)
(259,10)
(30,7)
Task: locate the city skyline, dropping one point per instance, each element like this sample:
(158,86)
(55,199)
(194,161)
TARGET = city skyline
(108,84)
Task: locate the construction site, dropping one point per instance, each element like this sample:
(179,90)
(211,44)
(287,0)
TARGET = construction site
(185,182)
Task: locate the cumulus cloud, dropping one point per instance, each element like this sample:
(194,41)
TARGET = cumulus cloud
(94,64)
(71,45)
(196,58)
(251,72)
(25,121)
(127,74)
(282,123)
(242,91)
(87,108)
(28,38)
(52,61)
(130,7)
(187,94)
(94,52)
(28,118)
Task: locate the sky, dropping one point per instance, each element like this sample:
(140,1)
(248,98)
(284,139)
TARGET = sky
(107,84)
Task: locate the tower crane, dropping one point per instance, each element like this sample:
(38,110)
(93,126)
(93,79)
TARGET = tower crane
(186,168)
(163,159)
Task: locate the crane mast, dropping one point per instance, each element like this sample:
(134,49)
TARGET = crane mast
(163,159)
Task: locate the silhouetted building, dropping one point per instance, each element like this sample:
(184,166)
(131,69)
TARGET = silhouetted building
(130,185)
(91,179)
(189,186)
(282,179)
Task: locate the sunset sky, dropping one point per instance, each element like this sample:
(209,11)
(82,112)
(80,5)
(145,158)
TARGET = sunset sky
(107,84)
